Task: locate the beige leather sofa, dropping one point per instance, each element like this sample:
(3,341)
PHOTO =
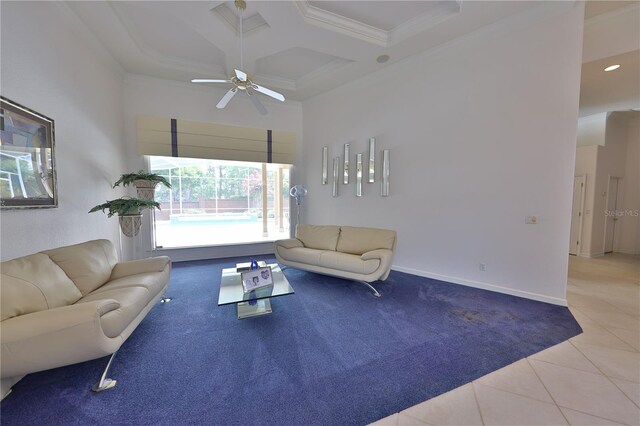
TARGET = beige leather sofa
(72,304)
(361,254)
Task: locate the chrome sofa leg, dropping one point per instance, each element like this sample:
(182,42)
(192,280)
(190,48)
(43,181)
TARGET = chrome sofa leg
(375,292)
(104,382)
(166,299)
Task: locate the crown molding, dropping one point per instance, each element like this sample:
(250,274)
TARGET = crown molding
(347,26)
(88,36)
(425,21)
(634,8)
(170,61)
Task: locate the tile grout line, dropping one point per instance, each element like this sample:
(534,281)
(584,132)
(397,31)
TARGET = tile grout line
(475,397)
(545,388)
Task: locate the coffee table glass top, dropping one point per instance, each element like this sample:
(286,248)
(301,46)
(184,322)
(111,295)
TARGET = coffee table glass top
(231,290)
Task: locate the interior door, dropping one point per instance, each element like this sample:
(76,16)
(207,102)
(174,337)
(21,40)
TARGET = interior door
(611,218)
(576,214)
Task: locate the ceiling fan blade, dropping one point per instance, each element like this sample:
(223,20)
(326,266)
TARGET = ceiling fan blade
(209,80)
(227,97)
(242,76)
(256,103)
(268,92)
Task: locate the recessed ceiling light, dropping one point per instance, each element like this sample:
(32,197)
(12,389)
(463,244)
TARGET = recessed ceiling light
(382,59)
(612,67)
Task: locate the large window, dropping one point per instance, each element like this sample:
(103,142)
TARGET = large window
(215,202)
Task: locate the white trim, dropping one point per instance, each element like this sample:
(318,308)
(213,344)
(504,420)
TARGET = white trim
(593,255)
(627,10)
(581,220)
(347,26)
(483,286)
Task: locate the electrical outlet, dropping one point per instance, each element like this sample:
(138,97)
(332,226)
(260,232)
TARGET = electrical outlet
(531,220)
(482,267)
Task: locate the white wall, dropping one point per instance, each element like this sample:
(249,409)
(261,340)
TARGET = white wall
(166,98)
(481,134)
(628,240)
(592,129)
(49,66)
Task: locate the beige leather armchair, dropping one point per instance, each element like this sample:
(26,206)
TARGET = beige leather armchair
(72,304)
(360,254)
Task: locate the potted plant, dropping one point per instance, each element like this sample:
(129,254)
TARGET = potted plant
(129,211)
(144,182)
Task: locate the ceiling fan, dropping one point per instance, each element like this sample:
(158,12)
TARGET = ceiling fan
(241,80)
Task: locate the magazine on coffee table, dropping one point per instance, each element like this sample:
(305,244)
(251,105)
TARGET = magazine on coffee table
(256,278)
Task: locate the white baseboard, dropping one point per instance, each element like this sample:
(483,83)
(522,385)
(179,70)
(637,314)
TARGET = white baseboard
(628,252)
(590,255)
(484,286)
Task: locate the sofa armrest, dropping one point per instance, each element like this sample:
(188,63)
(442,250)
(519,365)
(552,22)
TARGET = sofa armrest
(385,256)
(377,254)
(142,266)
(290,243)
(53,320)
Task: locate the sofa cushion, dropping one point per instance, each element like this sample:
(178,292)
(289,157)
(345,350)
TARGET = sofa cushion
(132,301)
(88,264)
(348,262)
(318,237)
(301,255)
(361,240)
(34,283)
(153,281)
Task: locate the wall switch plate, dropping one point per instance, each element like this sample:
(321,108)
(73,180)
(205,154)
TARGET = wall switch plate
(531,220)
(482,267)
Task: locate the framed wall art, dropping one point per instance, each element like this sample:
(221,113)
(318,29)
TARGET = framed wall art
(27,160)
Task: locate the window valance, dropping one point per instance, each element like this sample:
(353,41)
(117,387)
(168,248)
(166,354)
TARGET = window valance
(171,137)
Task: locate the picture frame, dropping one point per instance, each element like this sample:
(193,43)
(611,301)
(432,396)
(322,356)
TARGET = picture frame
(256,278)
(27,158)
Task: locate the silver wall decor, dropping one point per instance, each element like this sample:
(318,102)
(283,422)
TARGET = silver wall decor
(345,179)
(325,164)
(336,168)
(384,191)
(372,160)
(359,175)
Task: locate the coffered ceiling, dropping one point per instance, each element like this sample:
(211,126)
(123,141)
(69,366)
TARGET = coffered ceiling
(300,48)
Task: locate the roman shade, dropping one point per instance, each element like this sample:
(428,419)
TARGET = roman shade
(170,137)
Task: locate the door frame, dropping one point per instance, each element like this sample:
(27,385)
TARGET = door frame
(581,219)
(619,200)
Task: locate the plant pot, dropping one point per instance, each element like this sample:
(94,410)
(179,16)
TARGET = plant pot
(146,189)
(130,224)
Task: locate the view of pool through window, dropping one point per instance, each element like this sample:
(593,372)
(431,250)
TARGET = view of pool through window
(215,202)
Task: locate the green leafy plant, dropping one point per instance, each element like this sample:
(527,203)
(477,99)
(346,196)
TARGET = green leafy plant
(125,205)
(129,178)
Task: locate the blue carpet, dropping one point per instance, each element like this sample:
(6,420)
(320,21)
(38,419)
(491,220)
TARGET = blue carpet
(330,354)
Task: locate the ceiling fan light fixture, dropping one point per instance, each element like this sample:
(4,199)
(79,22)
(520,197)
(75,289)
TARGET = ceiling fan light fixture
(612,67)
(382,59)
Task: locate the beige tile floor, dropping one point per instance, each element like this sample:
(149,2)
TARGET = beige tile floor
(591,379)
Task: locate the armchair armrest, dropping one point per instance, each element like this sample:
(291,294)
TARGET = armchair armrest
(54,320)
(134,267)
(290,243)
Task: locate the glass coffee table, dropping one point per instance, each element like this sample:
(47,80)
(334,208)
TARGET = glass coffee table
(256,302)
